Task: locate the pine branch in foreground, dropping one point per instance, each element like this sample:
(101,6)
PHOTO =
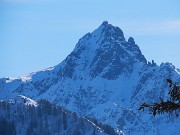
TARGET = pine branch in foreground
(168,106)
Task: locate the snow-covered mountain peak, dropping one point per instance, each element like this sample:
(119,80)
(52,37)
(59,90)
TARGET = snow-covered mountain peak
(108,32)
(105,52)
(105,23)
(105,77)
(113,31)
(103,34)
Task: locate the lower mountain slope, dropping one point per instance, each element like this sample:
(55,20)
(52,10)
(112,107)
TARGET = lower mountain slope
(24,116)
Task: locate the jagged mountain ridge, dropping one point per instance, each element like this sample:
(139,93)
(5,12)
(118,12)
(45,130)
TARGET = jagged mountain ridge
(105,77)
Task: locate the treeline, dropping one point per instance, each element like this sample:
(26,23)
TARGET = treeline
(7,127)
(105,127)
(45,119)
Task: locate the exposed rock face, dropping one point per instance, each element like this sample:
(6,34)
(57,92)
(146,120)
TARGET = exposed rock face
(105,77)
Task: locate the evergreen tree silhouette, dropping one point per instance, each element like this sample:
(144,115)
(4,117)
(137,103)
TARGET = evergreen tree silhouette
(168,106)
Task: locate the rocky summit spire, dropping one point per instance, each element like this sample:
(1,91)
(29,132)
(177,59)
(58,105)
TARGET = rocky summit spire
(109,32)
(106,52)
(105,23)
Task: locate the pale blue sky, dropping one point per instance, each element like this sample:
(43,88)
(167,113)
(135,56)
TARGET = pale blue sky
(36,34)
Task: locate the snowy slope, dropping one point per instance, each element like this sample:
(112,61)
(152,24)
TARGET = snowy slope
(105,77)
(24,116)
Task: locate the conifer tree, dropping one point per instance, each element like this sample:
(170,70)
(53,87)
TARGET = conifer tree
(169,106)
